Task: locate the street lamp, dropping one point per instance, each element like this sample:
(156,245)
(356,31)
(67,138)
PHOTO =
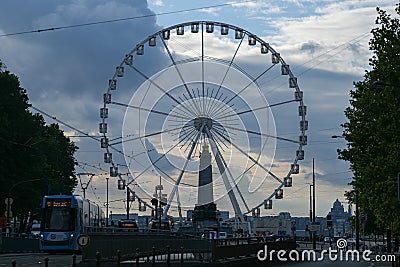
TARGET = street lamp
(107,202)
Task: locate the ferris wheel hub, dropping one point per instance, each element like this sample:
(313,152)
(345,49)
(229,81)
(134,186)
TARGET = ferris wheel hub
(200,121)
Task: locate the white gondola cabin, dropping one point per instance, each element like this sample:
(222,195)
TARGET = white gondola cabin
(289,182)
(112,84)
(180,30)
(104,113)
(194,28)
(166,34)
(295,168)
(103,127)
(279,194)
(210,27)
(224,30)
(107,157)
(268,204)
(113,171)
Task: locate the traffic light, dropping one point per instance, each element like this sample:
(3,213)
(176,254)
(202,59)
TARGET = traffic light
(329,221)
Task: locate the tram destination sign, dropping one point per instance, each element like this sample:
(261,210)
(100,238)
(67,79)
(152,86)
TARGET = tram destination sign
(58,202)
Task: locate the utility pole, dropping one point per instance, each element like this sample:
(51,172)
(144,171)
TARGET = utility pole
(313,217)
(357,223)
(84,186)
(107,203)
(311,212)
(127,202)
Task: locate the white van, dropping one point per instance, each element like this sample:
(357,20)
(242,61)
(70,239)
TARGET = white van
(222,235)
(35,230)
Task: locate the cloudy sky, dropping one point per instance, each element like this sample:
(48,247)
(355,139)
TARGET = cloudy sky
(66,71)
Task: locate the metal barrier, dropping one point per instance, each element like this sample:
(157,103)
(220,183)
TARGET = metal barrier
(17,244)
(127,243)
(46,262)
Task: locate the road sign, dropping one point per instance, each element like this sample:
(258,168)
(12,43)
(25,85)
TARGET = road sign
(8,201)
(83,240)
(8,213)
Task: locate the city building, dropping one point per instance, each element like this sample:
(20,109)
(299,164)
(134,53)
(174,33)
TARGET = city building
(340,219)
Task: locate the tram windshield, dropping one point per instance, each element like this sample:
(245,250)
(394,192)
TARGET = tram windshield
(58,218)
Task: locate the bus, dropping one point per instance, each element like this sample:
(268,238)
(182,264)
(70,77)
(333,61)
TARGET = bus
(128,225)
(166,225)
(64,219)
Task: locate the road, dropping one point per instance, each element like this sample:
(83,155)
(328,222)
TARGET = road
(38,259)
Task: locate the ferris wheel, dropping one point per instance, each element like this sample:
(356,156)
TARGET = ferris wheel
(205,86)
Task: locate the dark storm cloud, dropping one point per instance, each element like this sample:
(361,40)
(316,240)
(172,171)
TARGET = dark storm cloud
(78,61)
(310,47)
(66,71)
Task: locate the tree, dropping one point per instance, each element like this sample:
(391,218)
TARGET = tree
(35,159)
(373,129)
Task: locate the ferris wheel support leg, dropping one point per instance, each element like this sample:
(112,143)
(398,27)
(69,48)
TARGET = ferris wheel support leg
(178,181)
(223,172)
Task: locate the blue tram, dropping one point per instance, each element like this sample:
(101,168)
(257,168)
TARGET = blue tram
(64,219)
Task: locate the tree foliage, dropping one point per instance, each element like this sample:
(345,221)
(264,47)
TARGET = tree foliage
(373,128)
(35,159)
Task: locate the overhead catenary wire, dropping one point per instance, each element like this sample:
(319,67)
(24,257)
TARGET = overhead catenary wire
(121,19)
(64,123)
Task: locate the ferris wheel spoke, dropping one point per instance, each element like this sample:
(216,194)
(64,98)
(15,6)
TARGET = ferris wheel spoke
(211,110)
(254,160)
(178,181)
(149,110)
(162,89)
(144,136)
(256,109)
(223,172)
(219,137)
(180,74)
(262,134)
(247,86)
(188,136)
(179,112)
(155,161)
(172,179)
(228,109)
(218,140)
(188,100)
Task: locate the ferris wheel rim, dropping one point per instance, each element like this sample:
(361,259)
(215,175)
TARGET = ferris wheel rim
(229,26)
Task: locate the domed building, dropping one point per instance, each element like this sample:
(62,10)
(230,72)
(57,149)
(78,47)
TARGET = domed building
(340,219)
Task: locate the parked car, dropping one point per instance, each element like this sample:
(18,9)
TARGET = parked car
(222,235)
(35,230)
